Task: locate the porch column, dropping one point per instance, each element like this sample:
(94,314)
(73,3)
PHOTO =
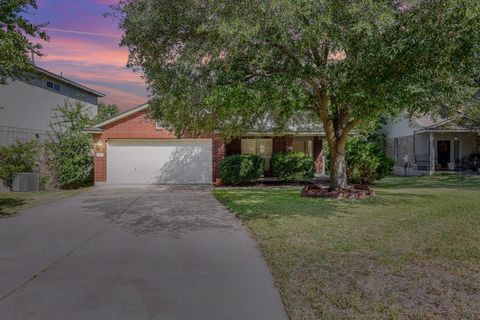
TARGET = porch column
(431,148)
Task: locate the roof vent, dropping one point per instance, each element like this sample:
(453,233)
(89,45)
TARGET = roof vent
(25,182)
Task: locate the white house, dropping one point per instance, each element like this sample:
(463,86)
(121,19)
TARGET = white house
(427,144)
(26,107)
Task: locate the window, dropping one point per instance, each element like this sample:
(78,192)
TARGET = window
(159,124)
(259,147)
(396,151)
(303,144)
(54,86)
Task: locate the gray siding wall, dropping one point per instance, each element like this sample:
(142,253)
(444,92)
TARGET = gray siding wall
(64,89)
(28,108)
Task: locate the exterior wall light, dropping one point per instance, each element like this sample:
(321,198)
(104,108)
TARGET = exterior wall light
(99,146)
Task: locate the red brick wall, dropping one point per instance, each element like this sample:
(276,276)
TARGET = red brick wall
(136,126)
(139,126)
(100,163)
(218,154)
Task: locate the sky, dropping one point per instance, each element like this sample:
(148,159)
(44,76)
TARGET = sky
(84,47)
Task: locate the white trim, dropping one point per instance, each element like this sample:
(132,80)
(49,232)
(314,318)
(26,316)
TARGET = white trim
(447,130)
(91,131)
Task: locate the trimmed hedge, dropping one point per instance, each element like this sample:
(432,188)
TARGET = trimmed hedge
(293,166)
(241,169)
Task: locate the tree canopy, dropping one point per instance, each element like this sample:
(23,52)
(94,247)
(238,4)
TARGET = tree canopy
(105,111)
(229,64)
(16,32)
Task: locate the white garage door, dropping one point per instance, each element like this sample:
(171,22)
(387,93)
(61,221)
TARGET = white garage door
(157,161)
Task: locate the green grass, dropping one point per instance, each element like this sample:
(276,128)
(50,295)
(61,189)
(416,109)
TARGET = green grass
(13,202)
(411,252)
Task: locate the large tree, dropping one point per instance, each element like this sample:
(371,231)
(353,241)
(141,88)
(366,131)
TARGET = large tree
(16,34)
(232,64)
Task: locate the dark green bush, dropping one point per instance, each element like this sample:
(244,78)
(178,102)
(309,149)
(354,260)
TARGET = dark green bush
(366,161)
(293,166)
(19,157)
(241,169)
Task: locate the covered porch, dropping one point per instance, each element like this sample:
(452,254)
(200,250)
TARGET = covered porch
(446,150)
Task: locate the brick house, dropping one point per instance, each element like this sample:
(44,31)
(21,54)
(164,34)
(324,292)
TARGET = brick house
(425,144)
(131,148)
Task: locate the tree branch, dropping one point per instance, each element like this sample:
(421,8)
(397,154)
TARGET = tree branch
(347,129)
(326,52)
(289,54)
(317,59)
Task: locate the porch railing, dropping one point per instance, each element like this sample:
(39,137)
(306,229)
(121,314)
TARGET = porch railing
(422,162)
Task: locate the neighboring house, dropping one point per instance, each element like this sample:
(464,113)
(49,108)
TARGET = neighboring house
(26,107)
(426,144)
(131,148)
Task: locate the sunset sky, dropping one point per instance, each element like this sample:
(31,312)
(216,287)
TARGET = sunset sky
(84,48)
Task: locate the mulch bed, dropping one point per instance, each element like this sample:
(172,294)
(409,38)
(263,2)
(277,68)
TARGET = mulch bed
(355,192)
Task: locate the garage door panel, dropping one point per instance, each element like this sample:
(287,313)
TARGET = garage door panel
(159,162)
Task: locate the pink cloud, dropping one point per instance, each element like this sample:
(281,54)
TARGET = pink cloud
(97,64)
(78,50)
(123,99)
(84,48)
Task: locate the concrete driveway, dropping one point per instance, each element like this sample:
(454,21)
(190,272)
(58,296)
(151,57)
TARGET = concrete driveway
(133,253)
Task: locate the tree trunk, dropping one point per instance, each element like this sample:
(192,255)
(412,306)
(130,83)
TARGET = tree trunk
(338,167)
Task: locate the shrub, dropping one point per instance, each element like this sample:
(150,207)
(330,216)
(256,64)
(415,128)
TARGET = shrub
(293,166)
(366,161)
(72,160)
(241,169)
(19,157)
(69,148)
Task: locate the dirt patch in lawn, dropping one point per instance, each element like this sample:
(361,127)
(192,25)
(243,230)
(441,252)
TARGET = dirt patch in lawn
(347,286)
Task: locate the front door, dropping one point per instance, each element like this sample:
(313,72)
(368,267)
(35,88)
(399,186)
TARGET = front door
(443,153)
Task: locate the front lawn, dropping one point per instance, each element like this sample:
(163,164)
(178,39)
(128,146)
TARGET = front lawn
(411,252)
(13,202)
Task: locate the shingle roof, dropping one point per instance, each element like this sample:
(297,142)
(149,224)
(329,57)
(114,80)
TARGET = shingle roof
(301,122)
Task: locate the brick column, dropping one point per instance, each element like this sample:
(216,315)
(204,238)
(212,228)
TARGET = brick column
(218,154)
(99,161)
